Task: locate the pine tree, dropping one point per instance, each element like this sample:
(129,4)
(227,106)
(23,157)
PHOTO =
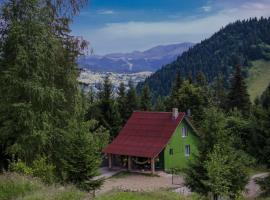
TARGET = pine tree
(174,92)
(132,100)
(238,96)
(109,117)
(201,79)
(145,101)
(260,134)
(190,77)
(160,106)
(218,91)
(191,97)
(121,102)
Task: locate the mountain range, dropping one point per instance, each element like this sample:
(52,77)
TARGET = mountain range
(138,61)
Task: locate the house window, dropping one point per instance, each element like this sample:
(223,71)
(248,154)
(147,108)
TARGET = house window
(184,132)
(187,150)
(171,152)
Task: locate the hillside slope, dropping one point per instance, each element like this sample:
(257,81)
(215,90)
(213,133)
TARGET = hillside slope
(242,41)
(258,78)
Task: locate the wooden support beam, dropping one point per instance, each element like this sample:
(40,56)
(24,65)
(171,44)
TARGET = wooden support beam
(152,165)
(129,163)
(110,161)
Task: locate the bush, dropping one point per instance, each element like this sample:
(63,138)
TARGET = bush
(43,170)
(20,167)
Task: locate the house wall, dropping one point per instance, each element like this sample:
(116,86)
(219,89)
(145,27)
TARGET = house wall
(177,143)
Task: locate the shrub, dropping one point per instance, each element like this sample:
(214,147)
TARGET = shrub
(43,170)
(20,167)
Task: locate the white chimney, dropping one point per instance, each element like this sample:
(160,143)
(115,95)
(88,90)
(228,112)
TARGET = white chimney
(175,113)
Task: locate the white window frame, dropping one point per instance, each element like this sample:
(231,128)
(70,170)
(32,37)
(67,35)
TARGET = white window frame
(187,147)
(184,132)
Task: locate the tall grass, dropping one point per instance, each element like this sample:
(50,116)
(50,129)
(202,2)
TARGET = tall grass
(17,187)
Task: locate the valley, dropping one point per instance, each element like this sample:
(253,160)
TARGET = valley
(124,67)
(89,79)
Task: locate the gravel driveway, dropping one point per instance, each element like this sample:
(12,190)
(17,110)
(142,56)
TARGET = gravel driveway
(139,182)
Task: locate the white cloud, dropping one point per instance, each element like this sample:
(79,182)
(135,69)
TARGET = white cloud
(141,35)
(106,12)
(207,8)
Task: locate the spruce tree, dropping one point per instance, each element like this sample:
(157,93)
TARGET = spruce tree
(160,106)
(260,134)
(109,117)
(121,102)
(132,100)
(218,92)
(201,79)
(145,100)
(174,92)
(238,96)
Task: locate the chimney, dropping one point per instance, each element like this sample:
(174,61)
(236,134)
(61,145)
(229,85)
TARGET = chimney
(188,113)
(174,113)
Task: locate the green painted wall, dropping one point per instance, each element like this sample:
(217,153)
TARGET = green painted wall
(177,143)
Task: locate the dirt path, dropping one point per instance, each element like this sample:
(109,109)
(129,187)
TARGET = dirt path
(252,188)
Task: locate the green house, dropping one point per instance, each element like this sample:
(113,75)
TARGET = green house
(164,140)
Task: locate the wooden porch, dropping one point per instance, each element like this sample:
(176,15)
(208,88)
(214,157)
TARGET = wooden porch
(130,163)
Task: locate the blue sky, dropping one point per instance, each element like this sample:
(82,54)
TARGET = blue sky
(127,25)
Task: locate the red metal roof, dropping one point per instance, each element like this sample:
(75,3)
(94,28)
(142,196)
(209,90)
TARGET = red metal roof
(145,134)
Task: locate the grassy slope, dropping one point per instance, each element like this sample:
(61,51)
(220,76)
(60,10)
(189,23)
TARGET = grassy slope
(16,187)
(259,78)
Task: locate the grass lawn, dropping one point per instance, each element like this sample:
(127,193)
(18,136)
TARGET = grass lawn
(157,195)
(259,78)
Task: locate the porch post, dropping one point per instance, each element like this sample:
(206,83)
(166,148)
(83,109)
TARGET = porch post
(110,161)
(152,165)
(129,163)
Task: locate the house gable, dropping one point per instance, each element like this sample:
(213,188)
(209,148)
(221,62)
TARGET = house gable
(174,153)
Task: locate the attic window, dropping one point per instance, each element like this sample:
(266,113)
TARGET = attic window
(187,150)
(171,151)
(184,132)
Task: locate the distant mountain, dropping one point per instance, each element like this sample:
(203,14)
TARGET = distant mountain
(242,42)
(137,61)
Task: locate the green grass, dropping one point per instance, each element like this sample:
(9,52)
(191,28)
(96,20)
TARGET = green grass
(157,195)
(259,78)
(17,187)
(125,174)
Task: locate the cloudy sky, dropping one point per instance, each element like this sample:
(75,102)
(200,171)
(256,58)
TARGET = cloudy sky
(127,25)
